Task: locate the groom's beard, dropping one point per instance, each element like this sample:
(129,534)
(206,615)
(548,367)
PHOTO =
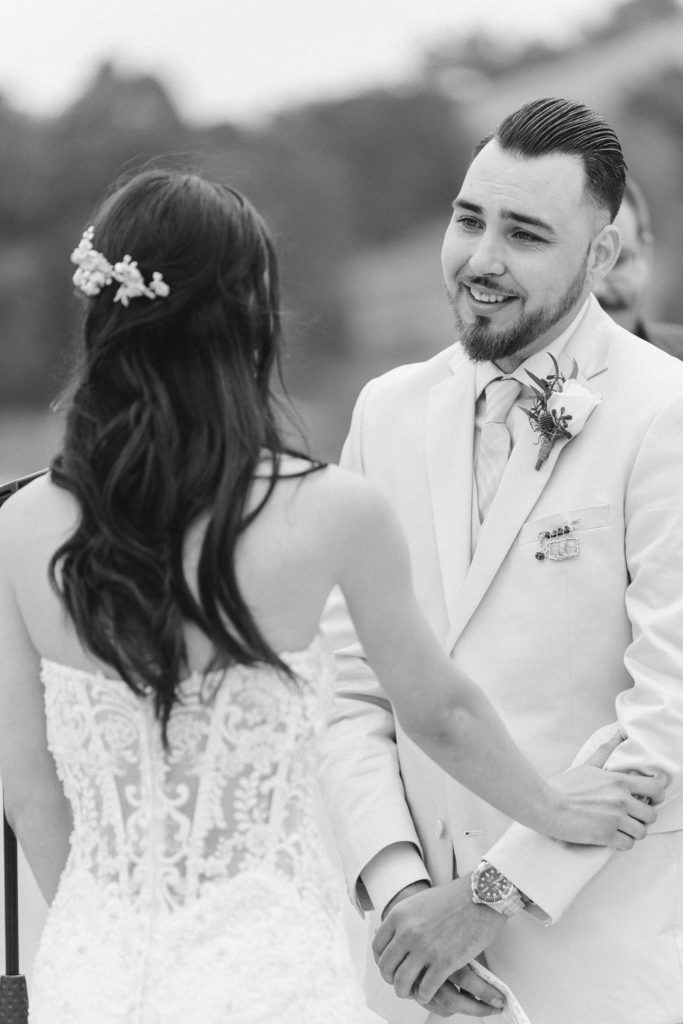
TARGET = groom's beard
(484,344)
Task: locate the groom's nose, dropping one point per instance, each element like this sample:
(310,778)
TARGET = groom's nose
(487,256)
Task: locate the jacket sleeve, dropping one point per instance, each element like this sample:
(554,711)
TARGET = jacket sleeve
(650,713)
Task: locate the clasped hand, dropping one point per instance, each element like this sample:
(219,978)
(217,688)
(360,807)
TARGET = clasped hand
(425,942)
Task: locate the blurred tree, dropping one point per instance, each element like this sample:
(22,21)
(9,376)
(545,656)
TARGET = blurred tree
(393,159)
(329,178)
(632,14)
(661,100)
(57,171)
(461,64)
(483,53)
(653,118)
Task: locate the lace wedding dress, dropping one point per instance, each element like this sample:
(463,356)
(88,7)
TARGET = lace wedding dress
(198,888)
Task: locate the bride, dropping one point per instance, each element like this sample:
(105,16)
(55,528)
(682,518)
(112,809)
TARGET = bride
(163,681)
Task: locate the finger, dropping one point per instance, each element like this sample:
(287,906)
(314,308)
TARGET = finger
(634,828)
(465,979)
(407,974)
(440,1010)
(469,980)
(601,753)
(445,1001)
(649,787)
(642,811)
(432,980)
(390,960)
(436,1011)
(464,1003)
(623,842)
(383,937)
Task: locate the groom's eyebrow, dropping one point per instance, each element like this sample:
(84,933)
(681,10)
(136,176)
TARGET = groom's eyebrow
(520,218)
(526,218)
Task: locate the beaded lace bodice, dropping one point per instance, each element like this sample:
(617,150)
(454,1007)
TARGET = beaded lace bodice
(231,794)
(206,853)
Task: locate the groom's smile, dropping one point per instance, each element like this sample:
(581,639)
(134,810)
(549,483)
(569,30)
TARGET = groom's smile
(485,299)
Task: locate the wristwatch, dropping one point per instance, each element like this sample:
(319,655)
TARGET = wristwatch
(494,890)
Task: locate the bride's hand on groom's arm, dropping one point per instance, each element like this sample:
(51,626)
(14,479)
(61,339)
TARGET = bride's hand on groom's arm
(603,807)
(426,937)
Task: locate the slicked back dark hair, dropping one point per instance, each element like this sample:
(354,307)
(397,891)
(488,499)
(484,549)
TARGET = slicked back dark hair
(563,126)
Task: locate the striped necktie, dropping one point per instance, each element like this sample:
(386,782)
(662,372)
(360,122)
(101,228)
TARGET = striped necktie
(495,441)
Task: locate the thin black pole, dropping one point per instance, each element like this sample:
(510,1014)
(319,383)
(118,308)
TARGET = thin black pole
(11,901)
(13,991)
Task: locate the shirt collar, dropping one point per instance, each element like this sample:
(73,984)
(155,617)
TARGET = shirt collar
(539,362)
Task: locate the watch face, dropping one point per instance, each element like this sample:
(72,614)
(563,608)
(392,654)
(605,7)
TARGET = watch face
(491,886)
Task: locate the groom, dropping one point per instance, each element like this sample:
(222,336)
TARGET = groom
(548,556)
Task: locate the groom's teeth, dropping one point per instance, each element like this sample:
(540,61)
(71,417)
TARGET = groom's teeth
(486,297)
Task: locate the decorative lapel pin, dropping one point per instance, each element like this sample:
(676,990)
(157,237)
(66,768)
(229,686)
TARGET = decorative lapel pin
(559,544)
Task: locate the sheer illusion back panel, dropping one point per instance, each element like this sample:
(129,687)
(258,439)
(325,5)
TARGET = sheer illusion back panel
(198,887)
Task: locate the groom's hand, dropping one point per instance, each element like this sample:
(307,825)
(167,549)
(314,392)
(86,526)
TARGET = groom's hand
(466,992)
(403,894)
(425,938)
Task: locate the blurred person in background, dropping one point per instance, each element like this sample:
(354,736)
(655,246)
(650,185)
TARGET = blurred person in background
(536,466)
(160,597)
(622,292)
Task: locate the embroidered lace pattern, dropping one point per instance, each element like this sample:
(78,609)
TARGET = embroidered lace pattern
(198,888)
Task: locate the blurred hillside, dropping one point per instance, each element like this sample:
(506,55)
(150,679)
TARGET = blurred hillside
(357,193)
(330,179)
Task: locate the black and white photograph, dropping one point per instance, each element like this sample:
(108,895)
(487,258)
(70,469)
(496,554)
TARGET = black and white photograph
(341,512)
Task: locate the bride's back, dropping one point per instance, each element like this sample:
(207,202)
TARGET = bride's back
(285,563)
(194,856)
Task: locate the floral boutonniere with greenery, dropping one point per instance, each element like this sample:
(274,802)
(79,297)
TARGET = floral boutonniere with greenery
(558,402)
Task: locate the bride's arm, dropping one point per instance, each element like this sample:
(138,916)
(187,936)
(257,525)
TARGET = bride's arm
(33,797)
(448,715)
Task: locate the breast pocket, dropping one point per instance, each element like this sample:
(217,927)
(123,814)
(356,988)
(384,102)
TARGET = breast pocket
(557,535)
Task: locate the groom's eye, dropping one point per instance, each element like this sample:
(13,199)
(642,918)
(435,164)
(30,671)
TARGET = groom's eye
(469,223)
(527,236)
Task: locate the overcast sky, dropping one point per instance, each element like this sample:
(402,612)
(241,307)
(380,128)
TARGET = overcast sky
(237,59)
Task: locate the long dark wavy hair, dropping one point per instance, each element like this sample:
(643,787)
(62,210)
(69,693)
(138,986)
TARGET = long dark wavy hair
(169,411)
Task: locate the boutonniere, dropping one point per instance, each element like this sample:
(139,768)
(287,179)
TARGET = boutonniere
(558,402)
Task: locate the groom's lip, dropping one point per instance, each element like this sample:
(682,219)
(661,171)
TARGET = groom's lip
(487,300)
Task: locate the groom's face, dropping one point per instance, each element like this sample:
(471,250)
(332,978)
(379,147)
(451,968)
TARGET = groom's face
(518,253)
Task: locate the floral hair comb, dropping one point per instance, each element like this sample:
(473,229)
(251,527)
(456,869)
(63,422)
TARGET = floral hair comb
(95,272)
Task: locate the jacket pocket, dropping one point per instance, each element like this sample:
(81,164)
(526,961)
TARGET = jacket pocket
(579,519)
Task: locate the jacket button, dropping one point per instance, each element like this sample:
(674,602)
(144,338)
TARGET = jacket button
(440,829)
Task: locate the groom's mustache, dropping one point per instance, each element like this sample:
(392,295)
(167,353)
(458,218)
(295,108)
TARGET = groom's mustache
(490,285)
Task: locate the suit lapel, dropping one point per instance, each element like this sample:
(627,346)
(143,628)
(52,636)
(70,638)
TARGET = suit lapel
(520,489)
(522,484)
(449,439)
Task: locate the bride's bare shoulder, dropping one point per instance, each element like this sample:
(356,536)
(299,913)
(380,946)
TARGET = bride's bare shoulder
(38,507)
(345,500)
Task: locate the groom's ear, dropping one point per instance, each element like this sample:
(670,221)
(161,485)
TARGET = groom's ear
(604,251)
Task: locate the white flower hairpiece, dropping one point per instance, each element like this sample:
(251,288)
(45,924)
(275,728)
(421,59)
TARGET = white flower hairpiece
(95,272)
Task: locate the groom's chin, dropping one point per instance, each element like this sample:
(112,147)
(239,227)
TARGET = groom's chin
(482,347)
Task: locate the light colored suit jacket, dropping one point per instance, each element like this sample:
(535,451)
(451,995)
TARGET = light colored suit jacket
(564,649)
